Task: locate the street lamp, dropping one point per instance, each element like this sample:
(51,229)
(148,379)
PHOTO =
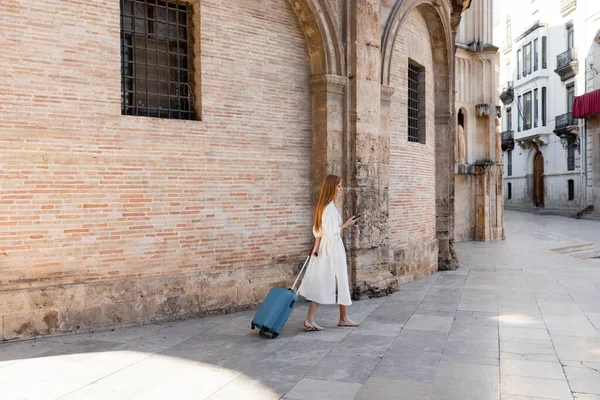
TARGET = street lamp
(570,141)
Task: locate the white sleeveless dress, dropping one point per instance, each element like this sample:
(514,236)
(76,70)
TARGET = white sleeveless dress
(329,270)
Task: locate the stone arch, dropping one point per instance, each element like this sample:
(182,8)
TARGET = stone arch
(441,36)
(441,20)
(322,36)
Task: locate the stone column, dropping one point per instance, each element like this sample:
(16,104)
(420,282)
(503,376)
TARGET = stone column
(328,99)
(483,173)
(445,185)
(370,253)
(498,233)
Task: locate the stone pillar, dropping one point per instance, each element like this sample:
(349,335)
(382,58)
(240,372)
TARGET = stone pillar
(370,253)
(328,100)
(445,185)
(483,173)
(489,204)
(498,231)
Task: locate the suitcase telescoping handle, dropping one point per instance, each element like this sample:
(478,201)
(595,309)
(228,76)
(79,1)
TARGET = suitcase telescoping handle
(300,273)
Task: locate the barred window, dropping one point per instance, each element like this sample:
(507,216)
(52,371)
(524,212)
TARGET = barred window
(416,103)
(156,59)
(509,163)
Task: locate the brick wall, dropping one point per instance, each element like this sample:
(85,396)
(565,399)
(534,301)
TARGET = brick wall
(412,165)
(90,195)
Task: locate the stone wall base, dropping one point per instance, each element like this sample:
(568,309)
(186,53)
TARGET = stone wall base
(406,264)
(86,307)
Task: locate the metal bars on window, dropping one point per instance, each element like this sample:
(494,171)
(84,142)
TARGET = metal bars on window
(155,60)
(413,103)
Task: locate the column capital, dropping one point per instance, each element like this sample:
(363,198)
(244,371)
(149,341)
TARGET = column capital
(328,83)
(387,92)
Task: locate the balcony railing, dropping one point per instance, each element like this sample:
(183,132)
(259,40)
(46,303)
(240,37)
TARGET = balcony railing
(566,64)
(565,58)
(508,140)
(567,6)
(507,94)
(563,121)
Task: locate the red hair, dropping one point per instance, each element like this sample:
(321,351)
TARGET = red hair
(326,196)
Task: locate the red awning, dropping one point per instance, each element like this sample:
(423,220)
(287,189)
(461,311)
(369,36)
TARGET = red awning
(587,104)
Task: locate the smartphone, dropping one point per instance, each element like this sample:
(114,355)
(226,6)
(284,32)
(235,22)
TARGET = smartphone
(357,216)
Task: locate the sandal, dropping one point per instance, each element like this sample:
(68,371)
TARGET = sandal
(311,327)
(348,323)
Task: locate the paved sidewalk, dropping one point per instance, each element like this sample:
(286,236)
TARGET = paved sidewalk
(516,321)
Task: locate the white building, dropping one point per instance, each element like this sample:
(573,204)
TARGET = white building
(543,67)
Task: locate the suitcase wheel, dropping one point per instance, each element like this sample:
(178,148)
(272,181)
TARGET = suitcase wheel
(274,335)
(262,331)
(252,326)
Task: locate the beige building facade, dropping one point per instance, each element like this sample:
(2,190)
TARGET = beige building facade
(479,204)
(160,160)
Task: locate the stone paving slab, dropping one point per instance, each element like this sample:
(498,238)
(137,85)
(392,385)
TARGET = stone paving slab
(517,321)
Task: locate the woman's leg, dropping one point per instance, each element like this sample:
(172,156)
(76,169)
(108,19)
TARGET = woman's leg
(344,320)
(343,312)
(309,323)
(310,318)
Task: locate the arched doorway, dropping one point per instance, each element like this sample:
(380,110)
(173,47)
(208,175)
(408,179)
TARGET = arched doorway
(538,180)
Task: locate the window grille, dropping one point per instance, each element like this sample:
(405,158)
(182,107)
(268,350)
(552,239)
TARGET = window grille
(413,103)
(156,66)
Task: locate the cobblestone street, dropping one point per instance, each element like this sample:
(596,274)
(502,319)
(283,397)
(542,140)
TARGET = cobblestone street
(517,321)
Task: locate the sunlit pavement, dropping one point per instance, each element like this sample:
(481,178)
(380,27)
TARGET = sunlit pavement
(516,321)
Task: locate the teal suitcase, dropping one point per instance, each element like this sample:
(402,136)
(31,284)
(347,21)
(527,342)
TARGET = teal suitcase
(275,310)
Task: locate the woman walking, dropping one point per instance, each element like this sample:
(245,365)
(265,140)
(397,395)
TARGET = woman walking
(326,278)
